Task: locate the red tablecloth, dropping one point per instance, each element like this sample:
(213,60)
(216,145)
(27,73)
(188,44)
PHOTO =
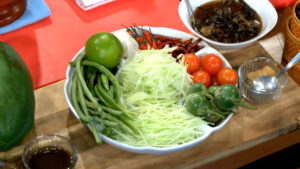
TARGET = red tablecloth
(48,45)
(282,3)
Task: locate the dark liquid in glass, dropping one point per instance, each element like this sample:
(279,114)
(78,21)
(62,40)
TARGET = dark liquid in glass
(51,157)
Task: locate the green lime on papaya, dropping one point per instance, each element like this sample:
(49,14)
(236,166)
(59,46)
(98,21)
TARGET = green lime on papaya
(105,49)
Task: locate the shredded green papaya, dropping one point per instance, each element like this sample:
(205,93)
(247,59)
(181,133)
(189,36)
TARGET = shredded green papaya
(153,85)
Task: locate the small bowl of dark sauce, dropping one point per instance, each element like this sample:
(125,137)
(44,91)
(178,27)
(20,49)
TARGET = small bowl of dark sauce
(229,24)
(50,152)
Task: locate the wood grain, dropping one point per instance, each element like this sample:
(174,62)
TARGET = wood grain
(245,130)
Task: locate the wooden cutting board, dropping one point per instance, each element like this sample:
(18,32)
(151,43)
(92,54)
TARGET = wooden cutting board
(245,130)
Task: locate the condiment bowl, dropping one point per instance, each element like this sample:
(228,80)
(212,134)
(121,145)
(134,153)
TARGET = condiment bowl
(263,8)
(257,96)
(45,142)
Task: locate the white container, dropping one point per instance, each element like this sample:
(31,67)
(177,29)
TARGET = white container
(153,150)
(263,8)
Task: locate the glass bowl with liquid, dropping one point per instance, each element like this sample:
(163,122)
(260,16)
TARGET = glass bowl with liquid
(50,152)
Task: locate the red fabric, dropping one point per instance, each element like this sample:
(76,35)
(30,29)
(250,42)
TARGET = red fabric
(282,3)
(48,45)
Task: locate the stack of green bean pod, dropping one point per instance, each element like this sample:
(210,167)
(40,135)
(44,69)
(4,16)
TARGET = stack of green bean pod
(96,98)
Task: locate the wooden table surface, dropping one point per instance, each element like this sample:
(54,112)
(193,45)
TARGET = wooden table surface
(248,136)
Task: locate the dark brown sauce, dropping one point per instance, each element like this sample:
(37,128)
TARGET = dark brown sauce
(227,22)
(11,10)
(51,157)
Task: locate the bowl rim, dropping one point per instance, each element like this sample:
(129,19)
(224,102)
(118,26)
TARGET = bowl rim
(148,149)
(267,60)
(270,7)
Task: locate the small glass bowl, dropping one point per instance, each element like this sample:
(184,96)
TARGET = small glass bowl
(50,140)
(260,96)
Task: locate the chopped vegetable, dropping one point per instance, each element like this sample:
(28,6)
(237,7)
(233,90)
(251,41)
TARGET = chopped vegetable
(153,84)
(162,125)
(155,74)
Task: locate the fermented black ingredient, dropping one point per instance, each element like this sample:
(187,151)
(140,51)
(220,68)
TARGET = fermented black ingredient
(227,21)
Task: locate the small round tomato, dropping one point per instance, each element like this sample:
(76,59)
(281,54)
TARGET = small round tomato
(211,63)
(201,76)
(227,76)
(105,49)
(192,62)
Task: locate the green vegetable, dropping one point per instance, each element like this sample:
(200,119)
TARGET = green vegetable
(211,117)
(104,82)
(197,88)
(162,125)
(105,49)
(90,99)
(197,104)
(227,97)
(109,75)
(152,84)
(212,89)
(16,98)
(153,75)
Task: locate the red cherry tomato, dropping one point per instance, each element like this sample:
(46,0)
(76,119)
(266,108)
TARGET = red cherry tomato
(201,76)
(227,76)
(192,62)
(211,64)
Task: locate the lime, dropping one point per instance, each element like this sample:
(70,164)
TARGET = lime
(105,49)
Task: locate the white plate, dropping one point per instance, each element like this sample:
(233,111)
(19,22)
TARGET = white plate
(153,150)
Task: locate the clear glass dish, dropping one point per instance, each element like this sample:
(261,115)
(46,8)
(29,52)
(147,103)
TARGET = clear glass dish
(46,141)
(260,96)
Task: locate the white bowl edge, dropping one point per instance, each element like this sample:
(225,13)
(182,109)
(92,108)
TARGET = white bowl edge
(151,150)
(261,6)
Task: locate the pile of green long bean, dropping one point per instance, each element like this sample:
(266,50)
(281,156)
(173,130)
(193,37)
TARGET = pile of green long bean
(96,98)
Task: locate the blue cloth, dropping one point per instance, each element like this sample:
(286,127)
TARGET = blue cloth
(35,11)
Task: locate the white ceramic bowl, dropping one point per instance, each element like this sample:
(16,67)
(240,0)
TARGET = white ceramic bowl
(263,8)
(152,150)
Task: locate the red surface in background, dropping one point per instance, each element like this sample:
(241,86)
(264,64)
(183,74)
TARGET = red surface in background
(48,45)
(282,3)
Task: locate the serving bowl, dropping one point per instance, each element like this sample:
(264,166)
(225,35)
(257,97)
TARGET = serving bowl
(263,8)
(153,150)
